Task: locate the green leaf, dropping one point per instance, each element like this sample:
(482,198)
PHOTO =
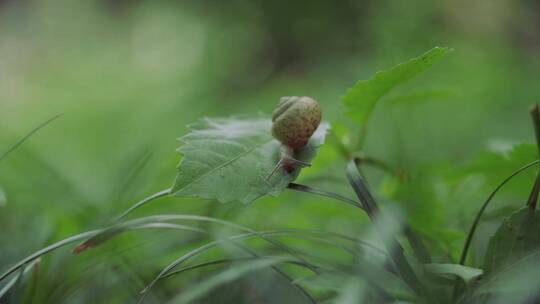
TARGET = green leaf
(518,236)
(422,95)
(416,192)
(230,159)
(513,284)
(360,100)
(448,272)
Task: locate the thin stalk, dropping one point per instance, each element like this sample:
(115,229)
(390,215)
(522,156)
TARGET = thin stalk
(205,264)
(535,115)
(143,202)
(308,189)
(480,212)
(24,138)
(533,197)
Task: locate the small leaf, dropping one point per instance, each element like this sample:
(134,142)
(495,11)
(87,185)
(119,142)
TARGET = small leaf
(517,236)
(449,272)
(361,99)
(230,159)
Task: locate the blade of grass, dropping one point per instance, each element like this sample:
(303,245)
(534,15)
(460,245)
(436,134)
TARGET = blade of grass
(114,230)
(24,138)
(193,253)
(308,189)
(48,249)
(218,262)
(229,275)
(16,287)
(267,233)
(135,167)
(23,270)
(111,231)
(282,273)
(205,264)
(142,202)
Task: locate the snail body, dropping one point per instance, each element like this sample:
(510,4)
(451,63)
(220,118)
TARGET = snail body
(293,123)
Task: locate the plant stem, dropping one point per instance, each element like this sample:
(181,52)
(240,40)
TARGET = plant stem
(417,245)
(533,197)
(535,115)
(392,245)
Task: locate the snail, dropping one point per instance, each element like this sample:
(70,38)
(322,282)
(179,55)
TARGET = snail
(293,123)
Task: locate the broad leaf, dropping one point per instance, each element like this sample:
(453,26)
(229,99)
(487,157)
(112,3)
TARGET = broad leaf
(449,272)
(230,159)
(361,99)
(513,284)
(518,236)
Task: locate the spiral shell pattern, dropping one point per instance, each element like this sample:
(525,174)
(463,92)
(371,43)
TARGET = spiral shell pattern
(295,120)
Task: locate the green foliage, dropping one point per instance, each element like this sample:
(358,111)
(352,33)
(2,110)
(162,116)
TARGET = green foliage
(493,166)
(449,272)
(361,99)
(226,276)
(322,252)
(516,239)
(231,160)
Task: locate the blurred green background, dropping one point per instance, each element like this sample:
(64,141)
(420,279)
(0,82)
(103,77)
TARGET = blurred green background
(127,76)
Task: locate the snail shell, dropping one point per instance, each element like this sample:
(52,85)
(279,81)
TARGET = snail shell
(295,120)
